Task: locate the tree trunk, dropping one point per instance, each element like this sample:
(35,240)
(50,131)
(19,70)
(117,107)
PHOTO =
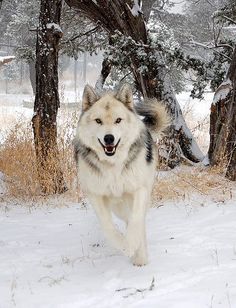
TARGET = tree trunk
(47,98)
(106,69)
(222,150)
(127,21)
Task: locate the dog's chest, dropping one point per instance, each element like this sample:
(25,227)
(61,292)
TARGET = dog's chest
(117,183)
(110,181)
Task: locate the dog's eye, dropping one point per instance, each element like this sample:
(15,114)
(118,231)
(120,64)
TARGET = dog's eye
(118,120)
(98,121)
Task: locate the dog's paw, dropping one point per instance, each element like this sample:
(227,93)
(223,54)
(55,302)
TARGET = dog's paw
(139,259)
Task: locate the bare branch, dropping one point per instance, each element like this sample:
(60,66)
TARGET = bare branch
(229,19)
(82,34)
(211,47)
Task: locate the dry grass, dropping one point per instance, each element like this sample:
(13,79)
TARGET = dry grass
(194,182)
(18,161)
(186,182)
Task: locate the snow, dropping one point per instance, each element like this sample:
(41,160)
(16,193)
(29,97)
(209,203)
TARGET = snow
(206,161)
(6,59)
(52,25)
(223,90)
(136,9)
(200,108)
(231,28)
(57,257)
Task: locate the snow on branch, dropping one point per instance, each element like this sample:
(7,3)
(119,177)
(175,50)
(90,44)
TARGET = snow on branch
(223,90)
(136,9)
(194,43)
(231,28)
(6,59)
(54,26)
(229,19)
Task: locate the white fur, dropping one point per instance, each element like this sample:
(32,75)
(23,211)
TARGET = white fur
(125,192)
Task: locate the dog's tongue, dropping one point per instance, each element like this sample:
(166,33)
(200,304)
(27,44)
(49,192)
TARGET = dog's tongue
(109,148)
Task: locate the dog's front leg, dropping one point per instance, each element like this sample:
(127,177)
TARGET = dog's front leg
(136,233)
(103,212)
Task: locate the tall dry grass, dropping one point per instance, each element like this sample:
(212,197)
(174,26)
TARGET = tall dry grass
(193,183)
(18,160)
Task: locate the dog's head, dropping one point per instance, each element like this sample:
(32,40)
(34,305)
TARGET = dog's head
(107,122)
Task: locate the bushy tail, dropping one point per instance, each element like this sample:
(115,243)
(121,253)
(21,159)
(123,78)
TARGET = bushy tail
(156,117)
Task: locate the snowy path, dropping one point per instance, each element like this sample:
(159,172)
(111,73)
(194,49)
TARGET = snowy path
(58,258)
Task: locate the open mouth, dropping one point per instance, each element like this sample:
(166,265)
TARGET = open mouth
(109,149)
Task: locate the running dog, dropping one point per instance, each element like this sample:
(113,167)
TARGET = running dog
(116,162)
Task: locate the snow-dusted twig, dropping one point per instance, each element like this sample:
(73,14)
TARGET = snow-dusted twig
(211,47)
(53,281)
(135,290)
(229,19)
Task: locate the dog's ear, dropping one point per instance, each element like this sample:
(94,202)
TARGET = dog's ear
(125,95)
(89,97)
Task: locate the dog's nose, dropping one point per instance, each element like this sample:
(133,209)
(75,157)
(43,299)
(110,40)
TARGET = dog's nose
(109,139)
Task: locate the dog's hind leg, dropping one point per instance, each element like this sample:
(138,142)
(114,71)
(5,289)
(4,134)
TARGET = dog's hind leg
(136,233)
(103,212)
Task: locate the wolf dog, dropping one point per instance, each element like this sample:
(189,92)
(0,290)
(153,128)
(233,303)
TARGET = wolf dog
(116,162)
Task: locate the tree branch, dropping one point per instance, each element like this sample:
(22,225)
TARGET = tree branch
(229,19)
(81,34)
(213,47)
(113,15)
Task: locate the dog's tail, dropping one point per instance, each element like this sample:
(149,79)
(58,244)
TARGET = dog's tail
(156,117)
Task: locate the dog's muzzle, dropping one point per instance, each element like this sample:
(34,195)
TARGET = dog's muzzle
(109,147)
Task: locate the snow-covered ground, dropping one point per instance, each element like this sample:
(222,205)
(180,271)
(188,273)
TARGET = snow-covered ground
(57,257)
(200,108)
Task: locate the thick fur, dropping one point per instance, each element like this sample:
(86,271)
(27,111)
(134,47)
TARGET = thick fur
(121,180)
